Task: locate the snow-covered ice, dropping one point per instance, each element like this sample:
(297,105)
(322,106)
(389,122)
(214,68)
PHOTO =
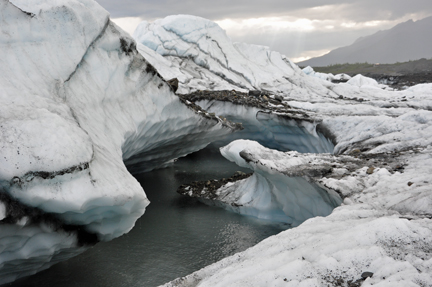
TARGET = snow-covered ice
(269,193)
(382,227)
(324,76)
(331,251)
(201,56)
(379,166)
(77,100)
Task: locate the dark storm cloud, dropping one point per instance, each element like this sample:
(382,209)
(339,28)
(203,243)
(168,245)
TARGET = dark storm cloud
(360,10)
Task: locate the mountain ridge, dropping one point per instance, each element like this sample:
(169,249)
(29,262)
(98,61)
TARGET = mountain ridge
(404,42)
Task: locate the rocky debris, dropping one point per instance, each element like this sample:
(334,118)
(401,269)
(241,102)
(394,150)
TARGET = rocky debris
(212,116)
(251,99)
(388,161)
(339,281)
(278,98)
(370,170)
(261,100)
(316,168)
(174,83)
(207,189)
(366,275)
(400,82)
(255,93)
(336,81)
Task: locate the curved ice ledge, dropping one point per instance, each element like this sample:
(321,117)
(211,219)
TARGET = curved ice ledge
(284,186)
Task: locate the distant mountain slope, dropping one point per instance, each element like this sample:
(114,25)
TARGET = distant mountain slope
(406,41)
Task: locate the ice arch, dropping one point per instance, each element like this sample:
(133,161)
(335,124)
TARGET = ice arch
(272,130)
(77,100)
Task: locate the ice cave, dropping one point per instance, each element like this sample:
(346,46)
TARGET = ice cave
(90,116)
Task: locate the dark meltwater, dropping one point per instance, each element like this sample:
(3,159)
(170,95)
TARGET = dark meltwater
(175,237)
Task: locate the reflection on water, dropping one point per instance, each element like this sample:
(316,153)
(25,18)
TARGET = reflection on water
(176,236)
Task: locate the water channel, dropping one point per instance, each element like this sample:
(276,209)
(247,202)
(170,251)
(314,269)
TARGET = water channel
(175,237)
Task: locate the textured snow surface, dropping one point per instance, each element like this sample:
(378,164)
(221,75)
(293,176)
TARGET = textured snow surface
(331,250)
(76,100)
(202,57)
(381,227)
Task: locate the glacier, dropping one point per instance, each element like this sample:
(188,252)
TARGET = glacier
(376,143)
(81,100)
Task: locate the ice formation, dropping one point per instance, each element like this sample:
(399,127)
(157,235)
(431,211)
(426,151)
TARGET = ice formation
(269,129)
(379,164)
(77,101)
(324,76)
(383,226)
(270,193)
(200,54)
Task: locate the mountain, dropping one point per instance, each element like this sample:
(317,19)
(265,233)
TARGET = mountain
(406,41)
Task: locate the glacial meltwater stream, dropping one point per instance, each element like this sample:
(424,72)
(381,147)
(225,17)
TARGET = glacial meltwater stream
(175,237)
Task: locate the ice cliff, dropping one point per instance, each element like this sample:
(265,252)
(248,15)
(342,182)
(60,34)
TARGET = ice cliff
(77,101)
(377,145)
(200,54)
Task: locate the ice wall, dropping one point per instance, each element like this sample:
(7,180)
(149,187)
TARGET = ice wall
(77,99)
(200,54)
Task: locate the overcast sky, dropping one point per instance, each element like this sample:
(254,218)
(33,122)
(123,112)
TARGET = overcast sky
(299,29)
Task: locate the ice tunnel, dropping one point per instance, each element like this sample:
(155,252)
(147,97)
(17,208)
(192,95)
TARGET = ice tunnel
(272,130)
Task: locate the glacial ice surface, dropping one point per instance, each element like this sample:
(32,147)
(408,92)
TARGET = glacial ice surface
(379,167)
(324,76)
(200,54)
(382,227)
(77,101)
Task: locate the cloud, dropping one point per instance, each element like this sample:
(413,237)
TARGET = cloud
(128,24)
(300,37)
(294,28)
(355,10)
